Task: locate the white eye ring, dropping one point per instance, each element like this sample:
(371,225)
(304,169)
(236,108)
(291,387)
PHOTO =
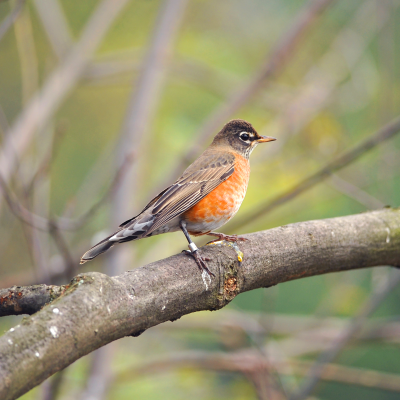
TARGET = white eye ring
(244,136)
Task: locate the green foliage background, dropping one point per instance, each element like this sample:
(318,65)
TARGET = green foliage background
(218,48)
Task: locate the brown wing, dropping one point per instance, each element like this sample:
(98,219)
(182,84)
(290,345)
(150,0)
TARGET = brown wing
(128,221)
(204,175)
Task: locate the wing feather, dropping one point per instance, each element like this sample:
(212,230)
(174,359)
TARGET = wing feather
(195,184)
(199,179)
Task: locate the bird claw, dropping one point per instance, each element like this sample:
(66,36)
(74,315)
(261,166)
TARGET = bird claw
(228,238)
(200,261)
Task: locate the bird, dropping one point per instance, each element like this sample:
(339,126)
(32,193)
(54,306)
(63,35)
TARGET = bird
(205,197)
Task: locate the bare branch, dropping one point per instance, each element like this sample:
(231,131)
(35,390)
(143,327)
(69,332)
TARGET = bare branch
(51,388)
(9,20)
(145,95)
(245,360)
(20,211)
(353,376)
(306,328)
(143,102)
(354,192)
(385,133)
(281,54)
(19,300)
(4,126)
(71,265)
(323,78)
(317,369)
(56,26)
(119,177)
(129,304)
(58,85)
(44,224)
(47,160)
(27,55)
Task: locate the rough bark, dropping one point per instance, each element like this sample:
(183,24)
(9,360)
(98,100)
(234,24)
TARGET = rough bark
(19,300)
(96,309)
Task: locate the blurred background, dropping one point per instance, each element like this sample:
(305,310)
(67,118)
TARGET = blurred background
(103,103)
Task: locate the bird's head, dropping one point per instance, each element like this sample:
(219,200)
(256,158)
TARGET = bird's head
(240,136)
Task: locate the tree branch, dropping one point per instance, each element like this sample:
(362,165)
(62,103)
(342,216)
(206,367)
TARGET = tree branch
(57,86)
(276,60)
(10,19)
(55,25)
(318,368)
(19,300)
(47,225)
(244,361)
(96,309)
(383,134)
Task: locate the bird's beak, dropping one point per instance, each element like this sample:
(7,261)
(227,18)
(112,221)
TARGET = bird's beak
(264,139)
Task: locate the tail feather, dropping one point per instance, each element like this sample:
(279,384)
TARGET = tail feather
(133,229)
(97,249)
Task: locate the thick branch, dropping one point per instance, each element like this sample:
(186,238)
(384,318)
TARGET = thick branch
(27,300)
(96,309)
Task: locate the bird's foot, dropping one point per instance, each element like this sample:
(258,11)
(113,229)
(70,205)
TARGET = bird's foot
(200,261)
(227,238)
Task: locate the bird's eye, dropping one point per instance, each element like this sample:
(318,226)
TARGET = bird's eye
(244,136)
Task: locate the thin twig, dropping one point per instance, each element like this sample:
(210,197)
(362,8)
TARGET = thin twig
(35,253)
(99,377)
(383,134)
(9,20)
(4,126)
(243,360)
(142,104)
(71,264)
(27,55)
(20,211)
(275,62)
(44,224)
(370,305)
(58,85)
(321,81)
(353,376)
(284,324)
(119,177)
(354,192)
(48,159)
(145,96)
(118,67)
(51,388)
(55,25)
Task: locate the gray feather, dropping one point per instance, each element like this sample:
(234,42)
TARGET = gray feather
(97,249)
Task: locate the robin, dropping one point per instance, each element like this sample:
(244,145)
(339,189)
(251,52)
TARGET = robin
(206,196)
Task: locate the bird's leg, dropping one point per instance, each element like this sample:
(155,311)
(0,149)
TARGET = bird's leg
(228,238)
(194,251)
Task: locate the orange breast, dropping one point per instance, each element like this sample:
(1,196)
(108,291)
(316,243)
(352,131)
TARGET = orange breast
(219,206)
